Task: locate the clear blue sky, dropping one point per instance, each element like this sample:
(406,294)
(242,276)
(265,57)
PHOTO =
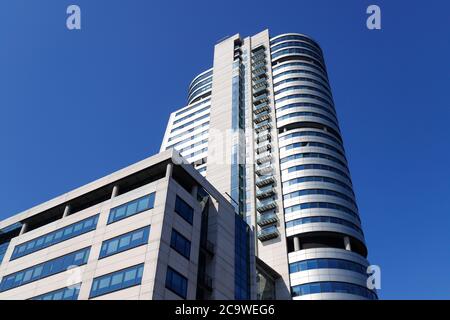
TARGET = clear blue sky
(76,105)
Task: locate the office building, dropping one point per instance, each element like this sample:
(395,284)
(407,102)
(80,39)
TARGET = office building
(154,230)
(262,127)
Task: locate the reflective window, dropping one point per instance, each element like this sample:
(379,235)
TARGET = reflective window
(320,205)
(330,287)
(117,280)
(180,244)
(318,167)
(176,282)
(124,242)
(307,220)
(131,208)
(327,263)
(291,88)
(306,114)
(69,293)
(45,269)
(184,210)
(325,192)
(316,179)
(312,155)
(55,237)
(296,105)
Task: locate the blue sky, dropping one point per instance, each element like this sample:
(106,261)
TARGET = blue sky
(76,105)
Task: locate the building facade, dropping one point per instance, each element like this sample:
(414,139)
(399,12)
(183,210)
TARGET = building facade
(154,230)
(262,127)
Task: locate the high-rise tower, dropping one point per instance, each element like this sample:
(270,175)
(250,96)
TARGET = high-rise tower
(261,125)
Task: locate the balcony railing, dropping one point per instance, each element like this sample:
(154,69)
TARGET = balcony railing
(264,159)
(261,107)
(262,194)
(261,118)
(264,181)
(268,233)
(262,127)
(266,206)
(266,219)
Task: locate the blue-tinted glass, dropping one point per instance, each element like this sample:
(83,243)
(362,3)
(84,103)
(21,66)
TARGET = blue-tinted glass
(131,208)
(176,282)
(61,294)
(118,280)
(184,210)
(55,237)
(42,270)
(180,244)
(125,242)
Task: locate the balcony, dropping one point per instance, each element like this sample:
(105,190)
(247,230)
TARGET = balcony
(264,159)
(261,108)
(263,137)
(259,90)
(259,81)
(261,118)
(265,193)
(264,148)
(262,127)
(259,72)
(264,181)
(262,98)
(259,64)
(264,171)
(266,219)
(268,233)
(266,206)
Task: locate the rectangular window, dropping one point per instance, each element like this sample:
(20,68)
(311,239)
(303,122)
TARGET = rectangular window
(57,236)
(70,293)
(117,280)
(124,242)
(44,269)
(176,282)
(180,244)
(131,208)
(184,210)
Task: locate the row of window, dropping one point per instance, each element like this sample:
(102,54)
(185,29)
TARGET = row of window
(200,79)
(318,192)
(3,249)
(191,114)
(131,208)
(332,287)
(117,280)
(301,71)
(191,107)
(187,124)
(198,135)
(299,87)
(305,95)
(312,155)
(69,293)
(199,84)
(306,114)
(293,44)
(327,109)
(316,179)
(320,205)
(303,79)
(309,64)
(327,263)
(189,147)
(200,90)
(44,269)
(196,153)
(124,242)
(182,134)
(318,167)
(309,133)
(290,51)
(55,237)
(308,220)
(311,144)
(294,37)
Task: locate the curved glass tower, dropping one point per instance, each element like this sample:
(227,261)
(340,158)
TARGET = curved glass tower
(288,173)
